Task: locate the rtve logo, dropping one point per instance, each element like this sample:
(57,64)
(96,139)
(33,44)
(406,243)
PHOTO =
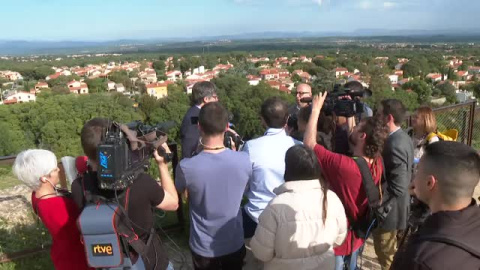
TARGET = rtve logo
(102,250)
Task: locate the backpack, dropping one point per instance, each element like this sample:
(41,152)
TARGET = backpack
(448,135)
(107,231)
(377,210)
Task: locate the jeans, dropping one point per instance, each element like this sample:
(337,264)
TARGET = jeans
(170,266)
(349,261)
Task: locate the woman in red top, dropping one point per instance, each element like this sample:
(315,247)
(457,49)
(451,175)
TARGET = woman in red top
(38,170)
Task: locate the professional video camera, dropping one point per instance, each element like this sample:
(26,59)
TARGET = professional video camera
(126,150)
(107,232)
(344,102)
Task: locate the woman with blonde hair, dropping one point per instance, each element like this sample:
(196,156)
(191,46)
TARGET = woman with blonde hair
(38,170)
(424,126)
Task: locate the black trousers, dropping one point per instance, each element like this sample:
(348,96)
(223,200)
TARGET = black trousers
(249,225)
(233,261)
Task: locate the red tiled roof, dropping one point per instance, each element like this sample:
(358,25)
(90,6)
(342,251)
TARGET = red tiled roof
(341,69)
(158,84)
(11,101)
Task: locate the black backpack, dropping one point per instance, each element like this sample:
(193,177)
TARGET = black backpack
(377,210)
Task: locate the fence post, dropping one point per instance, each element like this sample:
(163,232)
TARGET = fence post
(471,122)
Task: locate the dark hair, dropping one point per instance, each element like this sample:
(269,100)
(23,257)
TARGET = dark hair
(213,118)
(354,86)
(275,112)
(301,164)
(376,133)
(91,136)
(456,166)
(325,125)
(396,108)
(202,90)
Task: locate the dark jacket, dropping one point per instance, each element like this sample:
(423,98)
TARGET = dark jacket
(189,132)
(398,158)
(463,226)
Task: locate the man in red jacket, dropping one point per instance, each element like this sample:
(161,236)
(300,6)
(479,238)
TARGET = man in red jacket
(343,174)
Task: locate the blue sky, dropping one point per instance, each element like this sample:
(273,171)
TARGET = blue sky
(115,19)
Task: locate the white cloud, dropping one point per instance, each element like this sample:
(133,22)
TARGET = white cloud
(365,5)
(389,4)
(319,2)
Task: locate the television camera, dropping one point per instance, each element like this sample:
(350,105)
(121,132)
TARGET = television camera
(344,102)
(126,150)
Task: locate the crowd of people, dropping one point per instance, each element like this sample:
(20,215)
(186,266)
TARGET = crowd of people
(294,198)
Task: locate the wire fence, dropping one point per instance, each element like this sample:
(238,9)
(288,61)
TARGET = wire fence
(463,117)
(476,129)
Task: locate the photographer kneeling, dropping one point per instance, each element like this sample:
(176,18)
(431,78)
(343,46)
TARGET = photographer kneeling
(344,175)
(38,170)
(143,194)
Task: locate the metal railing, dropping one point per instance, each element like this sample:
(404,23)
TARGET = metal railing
(463,117)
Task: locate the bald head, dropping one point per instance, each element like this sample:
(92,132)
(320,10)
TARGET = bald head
(303,90)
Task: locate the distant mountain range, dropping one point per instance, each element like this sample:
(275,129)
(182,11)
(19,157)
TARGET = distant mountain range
(22,47)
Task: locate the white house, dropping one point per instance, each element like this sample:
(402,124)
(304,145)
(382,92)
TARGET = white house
(436,77)
(340,71)
(77,87)
(119,87)
(40,85)
(393,79)
(20,97)
(464,96)
(110,85)
(173,75)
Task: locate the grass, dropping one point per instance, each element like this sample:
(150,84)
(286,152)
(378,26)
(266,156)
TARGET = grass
(7,179)
(39,261)
(34,235)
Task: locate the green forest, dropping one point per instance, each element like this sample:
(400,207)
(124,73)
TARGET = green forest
(54,121)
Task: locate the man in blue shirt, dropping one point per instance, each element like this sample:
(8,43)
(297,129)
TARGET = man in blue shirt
(215,180)
(267,156)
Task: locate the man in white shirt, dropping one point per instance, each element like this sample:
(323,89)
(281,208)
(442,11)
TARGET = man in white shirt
(267,155)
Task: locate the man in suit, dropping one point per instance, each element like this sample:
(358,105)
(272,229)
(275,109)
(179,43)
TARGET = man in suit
(202,93)
(398,158)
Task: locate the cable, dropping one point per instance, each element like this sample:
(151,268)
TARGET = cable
(140,227)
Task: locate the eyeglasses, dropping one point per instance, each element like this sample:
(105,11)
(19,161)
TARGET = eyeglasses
(302,93)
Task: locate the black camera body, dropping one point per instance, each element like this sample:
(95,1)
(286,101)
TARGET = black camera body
(126,150)
(335,103)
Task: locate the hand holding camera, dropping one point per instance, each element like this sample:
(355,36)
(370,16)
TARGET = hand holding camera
(162,155)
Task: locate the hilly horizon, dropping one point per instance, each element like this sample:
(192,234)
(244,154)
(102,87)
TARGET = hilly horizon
(25,47)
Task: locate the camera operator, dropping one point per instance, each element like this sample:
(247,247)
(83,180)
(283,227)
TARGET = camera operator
(303,91)
(325,129)
(344,176)
(202,93)
(366,111)
(215,180)
(144,193)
